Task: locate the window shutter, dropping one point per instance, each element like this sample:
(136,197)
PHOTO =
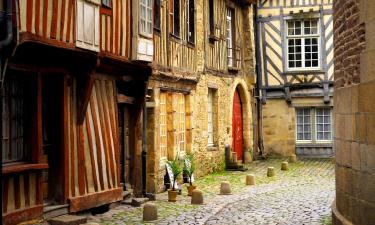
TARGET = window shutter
(87,25)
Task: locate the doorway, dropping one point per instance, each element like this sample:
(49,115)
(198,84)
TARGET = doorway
(237,134)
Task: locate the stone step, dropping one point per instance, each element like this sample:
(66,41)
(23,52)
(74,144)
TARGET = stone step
(68,220)
(127,194)
(50,211)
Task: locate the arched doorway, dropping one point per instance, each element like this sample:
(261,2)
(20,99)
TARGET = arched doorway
(237,134)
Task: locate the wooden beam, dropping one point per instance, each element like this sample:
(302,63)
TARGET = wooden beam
(18,216)
(125,99)
(65,137)
(23,168)
(95,199)
(84,97)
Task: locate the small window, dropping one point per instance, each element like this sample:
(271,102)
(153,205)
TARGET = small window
(145,17)
(303,124)
(13,111)
(174,17)
(211,16)
(323,124)
(107,3)
(157,14)
(210,119)
(302,44)
(190,22)
(163,125)
(230,38)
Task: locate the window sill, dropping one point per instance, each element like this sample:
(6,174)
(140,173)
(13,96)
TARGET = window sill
(304,71)
(212,148)
(175,37)
(314,145)
(18,168)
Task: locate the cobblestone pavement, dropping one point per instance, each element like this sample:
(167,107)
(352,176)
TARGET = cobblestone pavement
(301,195)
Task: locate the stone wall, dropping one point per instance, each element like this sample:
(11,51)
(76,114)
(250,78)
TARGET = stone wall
(278,128)
(354,113)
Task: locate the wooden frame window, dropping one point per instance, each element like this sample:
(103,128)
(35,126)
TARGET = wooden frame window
(174,17)
(163,126)
(210,119)
(302,40)
(145,17)
(157,15)
(211,17)
(13,129)
(181,130)
(303,124)
(107,3)
(190,33)
(323,124)
(231,37)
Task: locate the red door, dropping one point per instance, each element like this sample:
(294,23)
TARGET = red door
(237,126)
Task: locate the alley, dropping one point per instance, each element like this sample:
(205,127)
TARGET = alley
(301,195)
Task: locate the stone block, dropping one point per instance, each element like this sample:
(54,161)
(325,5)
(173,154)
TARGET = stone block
(68,220)
(197,197)
(366,92)
(371,126)
(368,158)
(270,171)
(150,212)
(361,127)
(225,188)
(284,166)
(355,156)
(367,215)
(250,179)
(344,96)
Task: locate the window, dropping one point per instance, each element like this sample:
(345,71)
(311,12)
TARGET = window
(145,17)
(181,122)
(323,124)
(314,124)
(107,3)
(157,14)
(210,113)
(13,107)
(230,37)
(174,17)
(303,44)
(190,21)
(211,16)
(303,124)
(163,125)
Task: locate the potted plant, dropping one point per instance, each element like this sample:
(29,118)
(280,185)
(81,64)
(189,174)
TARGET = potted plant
(176,171)
(189,168)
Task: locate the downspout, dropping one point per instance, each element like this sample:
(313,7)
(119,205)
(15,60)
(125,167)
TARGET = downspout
(257,84)
(144,147)
(9,36)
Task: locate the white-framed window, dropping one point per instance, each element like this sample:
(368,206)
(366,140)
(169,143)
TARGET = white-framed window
(210,119)
(145,17)
(303,46)
(314,124)
(163,125)
(230,37)
(190,21)
(303,124)
(323,124)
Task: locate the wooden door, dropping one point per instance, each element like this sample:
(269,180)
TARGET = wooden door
(237,126)
(125,145)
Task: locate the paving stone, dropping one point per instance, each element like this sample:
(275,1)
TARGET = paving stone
(68,220)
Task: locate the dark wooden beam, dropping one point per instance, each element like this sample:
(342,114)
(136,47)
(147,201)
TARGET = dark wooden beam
(125,99)
(84,94)
(21,215)
(23,168)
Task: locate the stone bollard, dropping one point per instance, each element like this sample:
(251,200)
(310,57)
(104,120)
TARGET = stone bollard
(292,158)
(284,166)
(150,212)
(270,172)
(197,197)
(225,188)
(250,179)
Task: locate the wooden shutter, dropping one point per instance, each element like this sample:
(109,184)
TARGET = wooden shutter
(87,25)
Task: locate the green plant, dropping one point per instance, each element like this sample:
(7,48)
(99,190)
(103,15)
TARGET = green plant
(189,166)
(176,170)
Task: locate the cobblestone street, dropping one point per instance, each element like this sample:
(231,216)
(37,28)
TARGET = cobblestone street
(301,195)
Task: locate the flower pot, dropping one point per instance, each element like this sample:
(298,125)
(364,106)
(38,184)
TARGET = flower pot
(190,189)
(172,196)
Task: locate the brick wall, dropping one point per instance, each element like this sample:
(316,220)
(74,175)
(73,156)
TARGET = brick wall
(354,111)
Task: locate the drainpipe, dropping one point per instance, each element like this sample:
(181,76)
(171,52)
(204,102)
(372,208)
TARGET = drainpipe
(258,83)
(144,148)
(8,16)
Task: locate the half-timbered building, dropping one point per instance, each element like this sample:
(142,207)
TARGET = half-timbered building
(74,77)
(201,85)
(295,68)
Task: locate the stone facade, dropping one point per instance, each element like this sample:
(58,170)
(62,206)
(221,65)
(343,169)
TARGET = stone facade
(194,83)
(355,114)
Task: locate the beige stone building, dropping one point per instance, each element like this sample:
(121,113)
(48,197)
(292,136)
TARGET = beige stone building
(295,77)
(355,115)
(202,70)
